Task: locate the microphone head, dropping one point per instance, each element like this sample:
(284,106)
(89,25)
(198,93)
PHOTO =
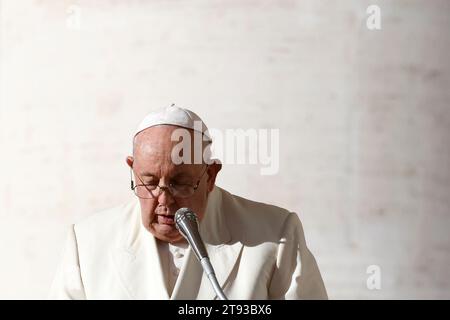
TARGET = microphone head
(185,217)
(186,222)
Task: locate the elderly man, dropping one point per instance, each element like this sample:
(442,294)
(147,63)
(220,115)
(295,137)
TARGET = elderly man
(135,251)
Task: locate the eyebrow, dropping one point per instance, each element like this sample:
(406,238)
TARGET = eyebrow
(176,175)
(148,174)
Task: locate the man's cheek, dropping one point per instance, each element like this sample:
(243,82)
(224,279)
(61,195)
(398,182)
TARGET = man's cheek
(147,208)
(151,210)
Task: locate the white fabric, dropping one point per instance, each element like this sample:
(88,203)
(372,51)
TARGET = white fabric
(177,116)
(258,251)
(177,253)
(172,257)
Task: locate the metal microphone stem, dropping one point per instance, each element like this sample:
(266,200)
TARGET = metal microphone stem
(208,269)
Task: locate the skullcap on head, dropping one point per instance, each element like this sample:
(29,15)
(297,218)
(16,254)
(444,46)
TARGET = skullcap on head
(176,116)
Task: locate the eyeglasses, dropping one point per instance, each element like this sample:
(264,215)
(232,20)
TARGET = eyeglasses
(154,190)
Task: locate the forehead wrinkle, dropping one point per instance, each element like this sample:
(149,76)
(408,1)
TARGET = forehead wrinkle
(152,150)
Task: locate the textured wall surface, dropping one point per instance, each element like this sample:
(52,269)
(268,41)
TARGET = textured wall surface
(363,116)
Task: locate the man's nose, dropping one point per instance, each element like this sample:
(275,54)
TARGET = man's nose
(165,198)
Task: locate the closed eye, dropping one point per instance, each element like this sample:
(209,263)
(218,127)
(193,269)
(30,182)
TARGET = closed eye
(150,184)
(179,184)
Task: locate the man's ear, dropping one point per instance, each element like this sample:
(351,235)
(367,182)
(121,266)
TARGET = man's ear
(130,161)
(213,170)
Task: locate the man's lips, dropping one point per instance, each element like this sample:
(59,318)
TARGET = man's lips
(165,219)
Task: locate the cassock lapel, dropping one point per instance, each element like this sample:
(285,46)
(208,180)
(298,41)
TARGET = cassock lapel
(138,263)
(192,283)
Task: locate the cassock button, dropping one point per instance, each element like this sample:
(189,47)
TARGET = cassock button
(178,254)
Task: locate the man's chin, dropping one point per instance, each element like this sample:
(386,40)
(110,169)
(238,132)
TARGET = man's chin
(166,232)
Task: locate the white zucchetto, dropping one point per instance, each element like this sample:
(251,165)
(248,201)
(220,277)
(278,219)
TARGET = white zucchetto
(176,116)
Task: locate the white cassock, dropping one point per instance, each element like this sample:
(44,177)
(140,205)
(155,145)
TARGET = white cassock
(258,251)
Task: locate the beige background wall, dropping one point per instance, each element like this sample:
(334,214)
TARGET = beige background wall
(363,115)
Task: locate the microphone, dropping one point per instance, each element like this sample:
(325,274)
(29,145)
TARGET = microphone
(186,222)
